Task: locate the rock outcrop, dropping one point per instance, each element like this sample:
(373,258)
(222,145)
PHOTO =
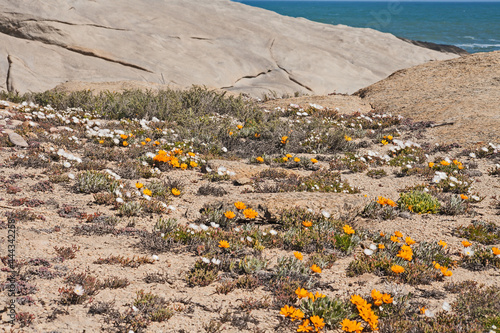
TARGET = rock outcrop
(217,43)
(461,94)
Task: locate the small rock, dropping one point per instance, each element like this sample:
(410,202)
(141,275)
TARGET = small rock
(17,140)
(14,123)
(242,181)
(405,215)
(3,122)
(53,130)
(473,173)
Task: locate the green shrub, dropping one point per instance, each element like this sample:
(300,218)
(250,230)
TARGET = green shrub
(419,202)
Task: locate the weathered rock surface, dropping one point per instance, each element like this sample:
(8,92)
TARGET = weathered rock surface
(461,94)
(218,43)
(16,139)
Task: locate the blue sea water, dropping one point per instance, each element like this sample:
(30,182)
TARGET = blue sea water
(473,26)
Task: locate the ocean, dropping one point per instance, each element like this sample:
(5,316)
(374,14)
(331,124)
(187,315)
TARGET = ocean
(473,26)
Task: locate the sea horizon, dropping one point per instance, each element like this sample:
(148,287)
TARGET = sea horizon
(472,26)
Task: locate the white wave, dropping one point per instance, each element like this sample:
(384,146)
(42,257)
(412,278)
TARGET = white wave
(481,46)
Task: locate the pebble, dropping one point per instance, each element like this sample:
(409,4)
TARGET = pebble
(17,140)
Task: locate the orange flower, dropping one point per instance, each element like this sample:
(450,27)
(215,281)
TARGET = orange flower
(229,214)
(351,326)
(348,230)
(464,197)
(224,244)
(148,140)
(409,241)
(191,154)
(298,255)
(157,143)
(317,322)
(406,253)
(422,310)
(443,244)
(260,159)
(193,164)
(176,192)
(257,135)
(431,164)
(395,239)
(466,243)
(387,298)
(307,224)
(382,234)
(391,203)
(123,136)
(125,143)
(289,155)
(314,161)
(287,310)
(389,137)
(297,314)
(358,301)
(139,185)
(376,295)
(284,139)
(347,138)
(101,141)
(239,205)
(250,213)
(230,132)
(305,327)
(381,246)
(143,143)
(398,234)
(296,160)
(301,293)
(316,269)
(147,192)
(496,251)
(184,166)
(285,159)
(239,126)
(397,269)
(444,163)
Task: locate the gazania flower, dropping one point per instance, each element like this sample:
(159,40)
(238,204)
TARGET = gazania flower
(298,255)
(395,239)
(409,241)
(305,327)
(289,155)
(347,138)
(398,234)
(229,214)
(284,139)
(148,140)
(239,205)
(157,143)
(381,246)
(250,213)
(351,326)
(358,300)
(297,314)
(444,163)
(176,192)
(184,166)
(191,154)
(240,126)
(230,132)
(139,185)
(496,251)
(285,159)
(431,164)
(296,160)
(260,159)
(123,136)
(257,135)
(314,161)
(446,271)
(125,143)
(287,310)
(387,298)
(316,269)
(389,137)
(147,192)
(143,143)
(464,197)
(385,142)
(397,269)
(301,293)
(317,322)
(443,244)
(193,164)
(422,310)
(224,244)
(382,234)
(466,243)
(101,141)
(348,230)
(307,224)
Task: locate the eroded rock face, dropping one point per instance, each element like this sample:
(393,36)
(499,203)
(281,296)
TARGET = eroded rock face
(217,43)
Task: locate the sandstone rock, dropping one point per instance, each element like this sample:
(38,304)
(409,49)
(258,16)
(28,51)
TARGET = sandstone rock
(14,123)
(243,181)
(185,42)
(17,140)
